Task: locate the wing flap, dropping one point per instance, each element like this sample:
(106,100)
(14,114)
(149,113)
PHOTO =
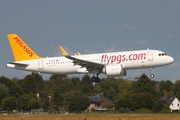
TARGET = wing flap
(83,63)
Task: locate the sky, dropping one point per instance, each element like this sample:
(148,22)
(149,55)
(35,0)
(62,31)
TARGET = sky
(92,26)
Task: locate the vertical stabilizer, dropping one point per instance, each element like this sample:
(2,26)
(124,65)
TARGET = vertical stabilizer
(20,49)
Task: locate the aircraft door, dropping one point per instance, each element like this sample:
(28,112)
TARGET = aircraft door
(150,56)
(40,64)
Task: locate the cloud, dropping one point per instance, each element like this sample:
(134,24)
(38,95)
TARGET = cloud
(125,26)
(113,48)
(175,65)
(24,73)
(142,42)
(58,52)
(170,35)
(69,28)
(89,51)
(132,74)
(101,45)
(51,46)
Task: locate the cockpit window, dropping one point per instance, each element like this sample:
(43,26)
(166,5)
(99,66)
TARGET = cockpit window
(162,54)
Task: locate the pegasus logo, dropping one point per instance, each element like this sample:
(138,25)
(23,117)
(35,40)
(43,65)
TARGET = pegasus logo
(25,48)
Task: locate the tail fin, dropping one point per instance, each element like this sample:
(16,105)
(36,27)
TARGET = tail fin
(20,49)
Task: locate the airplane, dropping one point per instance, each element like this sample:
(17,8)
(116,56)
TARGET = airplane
(112,64)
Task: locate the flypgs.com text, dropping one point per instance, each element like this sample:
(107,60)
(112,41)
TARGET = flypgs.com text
(120,58)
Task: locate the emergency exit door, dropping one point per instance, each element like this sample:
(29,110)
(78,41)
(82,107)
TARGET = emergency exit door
(40,64)
(150,56)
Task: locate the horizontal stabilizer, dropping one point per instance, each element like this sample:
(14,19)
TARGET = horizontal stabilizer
(16,64)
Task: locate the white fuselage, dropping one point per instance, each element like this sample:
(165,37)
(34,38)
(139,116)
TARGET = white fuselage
(138,59)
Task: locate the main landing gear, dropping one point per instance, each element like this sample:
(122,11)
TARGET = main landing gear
(95,79)
(151,74)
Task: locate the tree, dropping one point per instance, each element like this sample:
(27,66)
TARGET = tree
(165,109)
(124,103)
(109,86)
(13,89)
(142,100)
(23,101)
(58,99)
(65,86)
(28,85)
(78,102)
(165,86)
(143,84)
(176,86)
(76,83)
(57,79)
(38,81)
(4,91)
(85,90)
(9,103)
(32,83)
(125,90)
(46,105)
(178,94)
(111,93)
(168,93)
(157,106)
(86,81)
(34,104)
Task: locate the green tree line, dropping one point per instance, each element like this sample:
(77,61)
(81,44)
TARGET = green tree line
(61,93)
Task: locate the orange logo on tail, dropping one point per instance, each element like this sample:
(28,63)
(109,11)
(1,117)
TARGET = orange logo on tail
(25,48)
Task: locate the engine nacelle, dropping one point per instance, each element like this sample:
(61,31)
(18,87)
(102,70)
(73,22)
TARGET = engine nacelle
(114,70)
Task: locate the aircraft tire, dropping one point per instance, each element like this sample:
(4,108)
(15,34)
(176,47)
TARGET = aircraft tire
(97,79)
(152,75)
(93,79)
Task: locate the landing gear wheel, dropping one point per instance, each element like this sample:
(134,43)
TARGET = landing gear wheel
(97,79)
(152,75)
(93,79)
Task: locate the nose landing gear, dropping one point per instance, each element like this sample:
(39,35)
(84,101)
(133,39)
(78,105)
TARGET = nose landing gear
(151,74)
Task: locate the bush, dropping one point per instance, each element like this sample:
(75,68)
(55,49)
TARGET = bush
(143,110)
(124,110)
(124,103)
(78,102)
(157,106)
(9,103)
(165,109)
(112,110)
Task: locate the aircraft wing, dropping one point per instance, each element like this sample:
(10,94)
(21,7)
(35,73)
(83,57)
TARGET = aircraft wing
(83,63)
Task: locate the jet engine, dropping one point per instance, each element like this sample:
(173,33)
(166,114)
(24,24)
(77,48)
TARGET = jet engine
(114,70)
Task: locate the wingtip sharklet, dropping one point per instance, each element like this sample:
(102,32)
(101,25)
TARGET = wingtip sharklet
(63,51)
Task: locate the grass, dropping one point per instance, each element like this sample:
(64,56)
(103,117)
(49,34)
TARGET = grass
(92,117)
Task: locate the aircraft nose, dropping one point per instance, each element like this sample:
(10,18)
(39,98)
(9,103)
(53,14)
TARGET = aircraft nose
(171,59)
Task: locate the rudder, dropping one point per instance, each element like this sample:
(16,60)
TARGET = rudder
(20,49)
